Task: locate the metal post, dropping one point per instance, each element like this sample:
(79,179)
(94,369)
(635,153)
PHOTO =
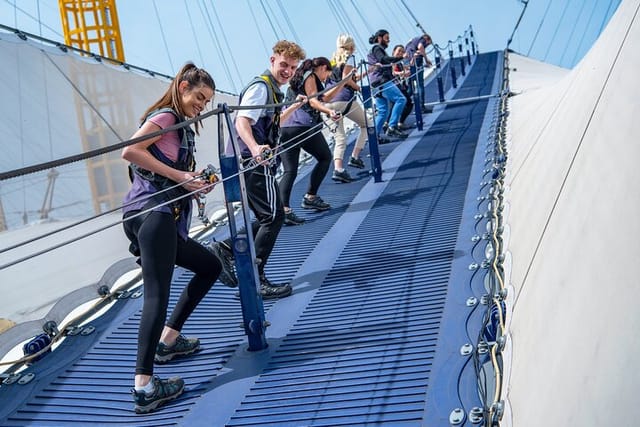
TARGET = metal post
(376,165)
(420,77)
(462,70)
(417,102)
(451,67)
(243,244)
(439,78)
(473,43)
(466,42)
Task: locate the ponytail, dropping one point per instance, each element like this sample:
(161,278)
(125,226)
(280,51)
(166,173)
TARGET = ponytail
(195,77)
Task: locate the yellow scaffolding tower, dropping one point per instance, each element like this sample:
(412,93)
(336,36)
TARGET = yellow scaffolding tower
(92,25)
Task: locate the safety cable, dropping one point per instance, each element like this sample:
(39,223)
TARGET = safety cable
(246,167)
(118,146)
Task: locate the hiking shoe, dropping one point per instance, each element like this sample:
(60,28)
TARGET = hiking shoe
(317,203)
(383,140)
(341,176)
(356,162)
(225,256)
(182,347)
(290,218)
(403,127)
(270,290)
(393,132)
(163,391)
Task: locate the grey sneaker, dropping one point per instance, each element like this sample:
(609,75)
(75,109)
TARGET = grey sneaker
(316,203)
(393,132)
(341,176)
(228,274)
(356,162)
(290,218)
(270,290)
(164,391)
(182,347)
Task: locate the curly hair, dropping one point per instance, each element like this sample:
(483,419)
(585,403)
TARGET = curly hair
(289,50)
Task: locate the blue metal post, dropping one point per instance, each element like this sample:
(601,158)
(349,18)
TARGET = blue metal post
(439,78)
(451,66)
(466,41)
(376,166)
(462,70)
(243,245)
(417,103)
(420,77)
(473,43)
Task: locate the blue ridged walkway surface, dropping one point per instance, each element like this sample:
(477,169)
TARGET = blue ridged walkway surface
(356,345)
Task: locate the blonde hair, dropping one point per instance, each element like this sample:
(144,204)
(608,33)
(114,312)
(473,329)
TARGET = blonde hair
(345,46)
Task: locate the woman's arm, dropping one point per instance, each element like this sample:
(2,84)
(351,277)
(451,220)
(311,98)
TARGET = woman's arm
(139,155)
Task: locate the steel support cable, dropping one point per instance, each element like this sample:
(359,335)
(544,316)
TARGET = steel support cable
(247,167)
(65,48)
(555,32)
(79,92)
(604,18)
(108,297)
(104,150)
(364,21)
(535,36)
(593,11)
(216,41)
(339,16)
(226,41)
(164,39)
(575,155)
(573,30)
(255,21)
(515,28)
(288,21)
(193,31)
(273,28)
(350,27)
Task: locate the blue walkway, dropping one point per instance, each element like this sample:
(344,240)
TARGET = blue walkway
(358,343)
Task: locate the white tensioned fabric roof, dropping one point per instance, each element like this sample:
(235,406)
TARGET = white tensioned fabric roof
(58,104)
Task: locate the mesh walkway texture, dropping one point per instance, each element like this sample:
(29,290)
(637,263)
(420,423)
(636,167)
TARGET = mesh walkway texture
(354,345)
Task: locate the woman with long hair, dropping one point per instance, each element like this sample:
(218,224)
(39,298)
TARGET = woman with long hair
(345,101)
(156,220)
(303,130)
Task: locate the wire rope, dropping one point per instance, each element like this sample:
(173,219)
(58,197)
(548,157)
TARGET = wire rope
(193,31)
(164,39)
(266,13)
(605,17)
(216,42)
(555,32)
(288,21)
(593,11)
(535,36)
(226,41)
(255,21)
(573,30)
(574,157)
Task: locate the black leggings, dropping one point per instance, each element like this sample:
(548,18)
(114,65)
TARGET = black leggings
(315,145)
(160,249)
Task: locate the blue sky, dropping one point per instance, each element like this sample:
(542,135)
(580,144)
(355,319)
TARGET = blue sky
(231,38)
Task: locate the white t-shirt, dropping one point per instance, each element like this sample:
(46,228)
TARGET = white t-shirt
(256,94)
